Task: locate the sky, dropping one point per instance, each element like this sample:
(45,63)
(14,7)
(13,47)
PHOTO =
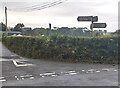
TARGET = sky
(61,15)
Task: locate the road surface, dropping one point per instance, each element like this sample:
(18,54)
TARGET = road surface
(19,71)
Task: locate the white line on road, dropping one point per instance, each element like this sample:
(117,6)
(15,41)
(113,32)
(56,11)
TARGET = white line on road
(106,69)
(2,79)
(23,78)
(31,77)
(72,73)
(83,70)
(21,65)
(48,73)
(115,70)
(53,75)
(18,79)
(1,59)
(26,76)
(97,71)
(109,69)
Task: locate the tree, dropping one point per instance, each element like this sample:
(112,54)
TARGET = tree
(27,31)
(64,31)
(2,27)
(117,31)
(78,32)
(41,31)
(18,27)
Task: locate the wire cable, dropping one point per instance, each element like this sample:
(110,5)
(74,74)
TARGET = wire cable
(38,6)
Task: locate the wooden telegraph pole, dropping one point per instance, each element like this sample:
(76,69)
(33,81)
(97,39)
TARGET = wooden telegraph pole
(6,18)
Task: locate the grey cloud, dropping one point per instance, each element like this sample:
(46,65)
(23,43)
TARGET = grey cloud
(76,7)
(71,9)
(68,8)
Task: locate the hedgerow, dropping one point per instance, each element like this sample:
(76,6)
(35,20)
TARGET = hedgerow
(64,48)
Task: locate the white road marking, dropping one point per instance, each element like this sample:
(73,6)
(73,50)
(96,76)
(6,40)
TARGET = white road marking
(2,79)
(72,73)
(115,70)
(23,78)
(22,65)
(53,75)
(97,71)
(69,73)
(49,73)
(20,62)
(43,76)
(106,69)
(109,69)
(26,76)
(18,79)
(92,70)
(83,70)
(31,77)
(1,59)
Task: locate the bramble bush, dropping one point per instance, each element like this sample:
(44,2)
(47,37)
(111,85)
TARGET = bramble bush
(64,48)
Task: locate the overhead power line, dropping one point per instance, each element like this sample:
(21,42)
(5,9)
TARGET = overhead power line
(38,6)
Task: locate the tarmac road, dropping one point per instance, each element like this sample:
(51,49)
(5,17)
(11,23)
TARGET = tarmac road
(19,71)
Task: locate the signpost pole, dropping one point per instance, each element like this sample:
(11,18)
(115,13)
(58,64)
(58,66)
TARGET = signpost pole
(92,26)
(91,23)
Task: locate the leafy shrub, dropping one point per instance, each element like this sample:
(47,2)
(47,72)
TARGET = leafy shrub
(64,48)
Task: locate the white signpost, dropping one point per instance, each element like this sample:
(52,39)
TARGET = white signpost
(98,25)
(88,18)
(92,19)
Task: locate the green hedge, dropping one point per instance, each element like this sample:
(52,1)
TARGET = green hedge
(64,48)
